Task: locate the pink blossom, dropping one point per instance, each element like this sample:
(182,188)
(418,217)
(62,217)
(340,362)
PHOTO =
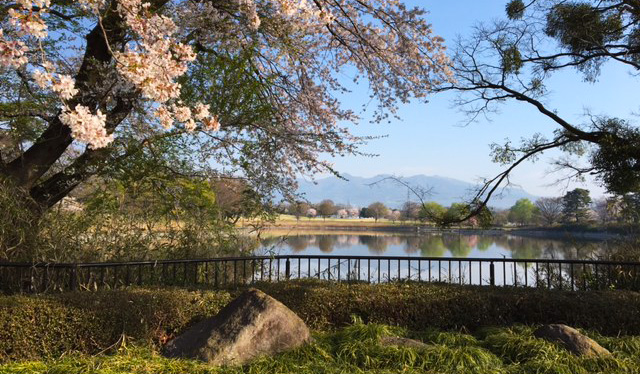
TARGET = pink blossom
(201,111)
(182,113)
(12,53)
(42,78)
(164,116)
(211,123)
(65,87)
(87,127)
(28,24)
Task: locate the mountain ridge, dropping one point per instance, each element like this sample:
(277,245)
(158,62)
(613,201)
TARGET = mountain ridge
(362,191)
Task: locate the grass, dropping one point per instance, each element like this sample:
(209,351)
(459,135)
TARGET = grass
(285,220)
(356,349)
(46,326)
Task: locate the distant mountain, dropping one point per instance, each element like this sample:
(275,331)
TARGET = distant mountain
(359,192)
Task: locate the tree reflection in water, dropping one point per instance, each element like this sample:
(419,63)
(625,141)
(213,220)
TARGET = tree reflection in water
(433,245)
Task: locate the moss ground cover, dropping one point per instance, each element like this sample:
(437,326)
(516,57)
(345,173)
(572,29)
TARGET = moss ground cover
(357,349)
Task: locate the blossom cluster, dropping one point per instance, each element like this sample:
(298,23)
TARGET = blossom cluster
(63,85)
(12,52)
(154,62)
(87,127)
(388,45)
(27,19)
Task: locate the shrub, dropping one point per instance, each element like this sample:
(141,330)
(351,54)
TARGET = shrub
(49,325)
(420,306)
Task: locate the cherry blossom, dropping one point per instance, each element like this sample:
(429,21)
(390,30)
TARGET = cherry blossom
(211,123)
(42,78)
(64,86)
(201,111)
(12,53)
(133,64)
(164,116)
(87,127)
(28,23)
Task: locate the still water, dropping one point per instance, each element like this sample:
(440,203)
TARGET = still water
(431,244)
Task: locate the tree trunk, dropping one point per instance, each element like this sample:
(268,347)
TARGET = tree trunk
(27,170)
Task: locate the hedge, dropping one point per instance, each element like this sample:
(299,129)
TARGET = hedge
(33,327)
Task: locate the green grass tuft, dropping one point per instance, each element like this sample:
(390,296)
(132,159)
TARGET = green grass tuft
(357,349)
(450,339)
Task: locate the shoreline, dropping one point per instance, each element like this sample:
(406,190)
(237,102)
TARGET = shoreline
(558,233)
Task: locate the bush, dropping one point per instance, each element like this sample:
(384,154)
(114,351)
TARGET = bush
(49,325)
(451,307)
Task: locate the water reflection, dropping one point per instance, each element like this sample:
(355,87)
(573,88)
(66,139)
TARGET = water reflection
(429,245)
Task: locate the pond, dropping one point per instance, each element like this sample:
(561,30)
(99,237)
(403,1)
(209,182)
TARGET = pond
(429,244)
(512,250)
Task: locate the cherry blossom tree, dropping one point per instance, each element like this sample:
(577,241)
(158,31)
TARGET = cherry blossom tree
(354,212)
(248,86)
(394,215)
(311,213)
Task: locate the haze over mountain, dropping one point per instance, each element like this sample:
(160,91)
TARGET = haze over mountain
(359,192)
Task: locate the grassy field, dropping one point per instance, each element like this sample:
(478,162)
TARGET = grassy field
(285,220)
(357,349)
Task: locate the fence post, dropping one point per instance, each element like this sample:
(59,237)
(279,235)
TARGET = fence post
(73,284)
(492,274)
(287,268)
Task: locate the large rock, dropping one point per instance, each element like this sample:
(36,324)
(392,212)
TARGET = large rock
(579,344)
(252,325)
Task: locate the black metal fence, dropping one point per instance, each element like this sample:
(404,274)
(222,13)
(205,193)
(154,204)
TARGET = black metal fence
(230,271)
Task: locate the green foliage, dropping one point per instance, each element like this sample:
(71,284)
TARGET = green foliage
(522,212)
(617,156)
(18,222)
(456,211)
(47,326)
(528,354)
(511,60)
(515,9)
(152,204)
(576,204)
(432,211)
(358,349)
(377,210)
(580,27)
(447,338)
(630,207)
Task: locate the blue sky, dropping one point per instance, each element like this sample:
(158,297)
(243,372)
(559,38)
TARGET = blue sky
(431,139)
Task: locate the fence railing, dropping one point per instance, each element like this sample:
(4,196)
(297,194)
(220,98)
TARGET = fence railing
(229,271)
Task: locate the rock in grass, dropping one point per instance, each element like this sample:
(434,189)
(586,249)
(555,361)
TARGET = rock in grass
(252,325)
(579,344)
(401,342)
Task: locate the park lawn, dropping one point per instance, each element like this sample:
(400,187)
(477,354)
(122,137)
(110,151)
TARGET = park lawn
(357,349)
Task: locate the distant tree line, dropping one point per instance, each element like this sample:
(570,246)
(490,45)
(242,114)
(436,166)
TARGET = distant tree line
(327,208)
(575,206)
